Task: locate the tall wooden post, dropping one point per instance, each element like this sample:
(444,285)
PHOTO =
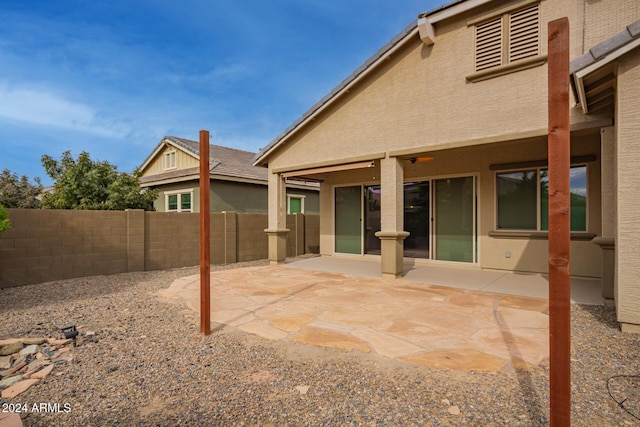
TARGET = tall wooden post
(205,236)
(559,225)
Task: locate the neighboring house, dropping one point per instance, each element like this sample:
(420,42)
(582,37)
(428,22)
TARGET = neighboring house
(173,168)
(436,148)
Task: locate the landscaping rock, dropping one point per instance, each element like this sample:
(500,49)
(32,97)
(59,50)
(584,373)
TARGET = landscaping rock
(11,348)
(43,373)
(36,364)
(5,362)
(16,367)
(303,389)
(17,388)
(454,410)
(9,381)
(29,350)
(10,419)
(29,341)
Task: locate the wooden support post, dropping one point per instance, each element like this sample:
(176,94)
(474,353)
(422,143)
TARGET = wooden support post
(205,236)
(559,225)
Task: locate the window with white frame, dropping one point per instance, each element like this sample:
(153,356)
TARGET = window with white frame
(179,201)
(507,38)
(522,199)
(170,160)
(295,204)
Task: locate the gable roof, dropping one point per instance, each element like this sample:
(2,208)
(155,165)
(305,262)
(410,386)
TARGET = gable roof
(223,161)
(409,33)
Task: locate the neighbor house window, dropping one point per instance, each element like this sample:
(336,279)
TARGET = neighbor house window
(179,201)
(295,204)
(523,199)
(170,160)
(507,38)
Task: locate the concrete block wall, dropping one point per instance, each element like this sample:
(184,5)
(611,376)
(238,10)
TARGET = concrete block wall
(252,240)
(44,245)
(171,240)
(295,238)
(312,234)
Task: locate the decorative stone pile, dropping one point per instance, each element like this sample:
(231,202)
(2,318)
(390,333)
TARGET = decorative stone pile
(24,362)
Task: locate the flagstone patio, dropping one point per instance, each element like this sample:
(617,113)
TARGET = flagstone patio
(410,322)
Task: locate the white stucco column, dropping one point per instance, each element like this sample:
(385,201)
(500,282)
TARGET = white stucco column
(392,232)
(608,194)
(277,230)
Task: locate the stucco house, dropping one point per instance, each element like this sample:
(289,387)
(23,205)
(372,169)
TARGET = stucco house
(173,169)
(435,150)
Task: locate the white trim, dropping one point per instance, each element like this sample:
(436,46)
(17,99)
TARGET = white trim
(179,205)
(295,196)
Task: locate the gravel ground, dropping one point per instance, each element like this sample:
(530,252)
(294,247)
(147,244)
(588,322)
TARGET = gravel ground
(148,365)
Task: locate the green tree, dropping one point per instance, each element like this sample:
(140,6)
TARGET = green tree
(86,184)
(4,219)
(18,192)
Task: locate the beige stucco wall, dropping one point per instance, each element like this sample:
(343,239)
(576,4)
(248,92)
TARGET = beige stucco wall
(528,255)
(420,102)
(421,99)
(183,161)
(628,184)
(618,13)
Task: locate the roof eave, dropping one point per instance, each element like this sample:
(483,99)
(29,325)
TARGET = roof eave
(600,56)
(436,15)
(372,64)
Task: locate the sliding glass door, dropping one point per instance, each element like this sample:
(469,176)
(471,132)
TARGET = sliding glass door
(371,219)
(440,215)
(455,231)
(417,219)
(348,219)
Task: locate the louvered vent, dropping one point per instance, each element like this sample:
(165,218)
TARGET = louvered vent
(489,44)
(524,30)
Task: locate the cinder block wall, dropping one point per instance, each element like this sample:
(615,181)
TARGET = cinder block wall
(253,243)
(312,234)
(171,240)
(44,245)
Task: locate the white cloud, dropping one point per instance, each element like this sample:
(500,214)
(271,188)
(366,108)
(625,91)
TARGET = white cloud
(42,107)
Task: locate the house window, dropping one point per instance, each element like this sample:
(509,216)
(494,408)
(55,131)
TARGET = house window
(295,204)
(179,201)
(508,38)
(170,160)
(523,199)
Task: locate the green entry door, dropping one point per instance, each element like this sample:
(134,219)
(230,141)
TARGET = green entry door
(455,234)
(295,205)
(348,220)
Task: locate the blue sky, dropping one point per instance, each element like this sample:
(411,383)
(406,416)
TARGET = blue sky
(113,77)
